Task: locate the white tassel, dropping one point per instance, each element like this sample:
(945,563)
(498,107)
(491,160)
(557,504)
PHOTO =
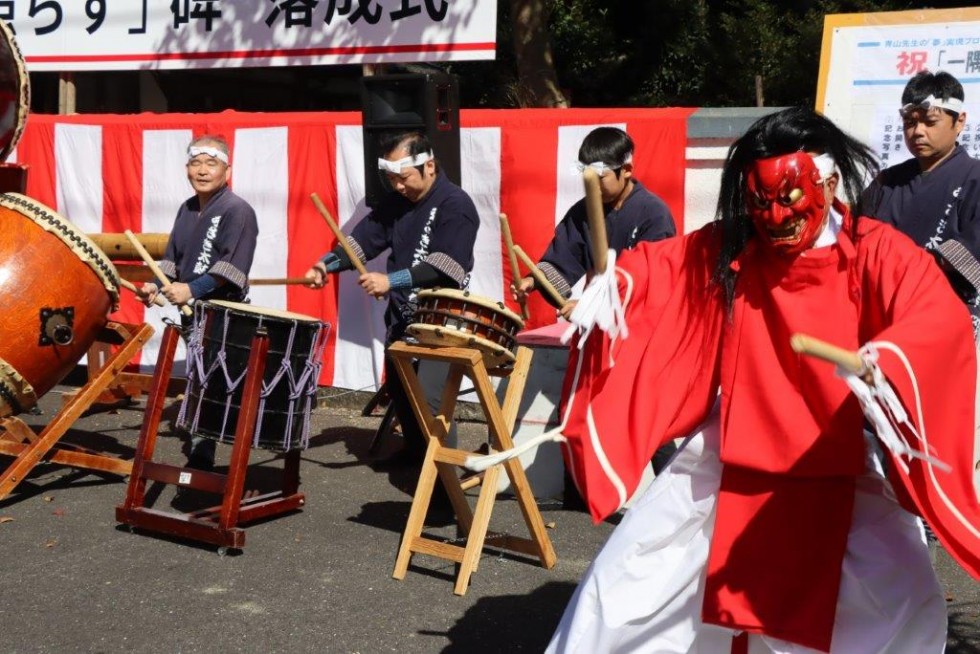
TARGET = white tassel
(884,410)
(481,463)
(601,306)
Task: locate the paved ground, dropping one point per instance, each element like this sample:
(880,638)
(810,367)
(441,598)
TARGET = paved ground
(317,580)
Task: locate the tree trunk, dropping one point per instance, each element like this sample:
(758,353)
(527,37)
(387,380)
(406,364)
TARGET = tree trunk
(536,77)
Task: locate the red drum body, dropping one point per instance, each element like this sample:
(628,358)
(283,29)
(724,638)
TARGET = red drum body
(56,289)
(449,317)
(217,356)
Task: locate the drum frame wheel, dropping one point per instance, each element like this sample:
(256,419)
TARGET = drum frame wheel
(28,449)
(218,525)
(441,462)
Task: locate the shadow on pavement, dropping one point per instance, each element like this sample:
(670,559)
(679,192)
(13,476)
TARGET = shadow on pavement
(510,623)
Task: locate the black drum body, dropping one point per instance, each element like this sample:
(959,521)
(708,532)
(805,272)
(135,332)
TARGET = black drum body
(217,358)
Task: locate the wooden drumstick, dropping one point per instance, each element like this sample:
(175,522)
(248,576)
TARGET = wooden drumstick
(283,281)
(539,277)
(597,219)
(152,265)
(341,237)
(125,283)
(811,346)
(515,272)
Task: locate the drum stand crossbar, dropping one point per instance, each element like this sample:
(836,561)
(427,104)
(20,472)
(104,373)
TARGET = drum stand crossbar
(18,440)
(441,461)
(217,525)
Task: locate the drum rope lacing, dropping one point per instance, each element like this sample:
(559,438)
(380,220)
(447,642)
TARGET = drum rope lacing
(298,387)
(96,258)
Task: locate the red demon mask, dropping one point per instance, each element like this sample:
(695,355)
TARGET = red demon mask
(786,202)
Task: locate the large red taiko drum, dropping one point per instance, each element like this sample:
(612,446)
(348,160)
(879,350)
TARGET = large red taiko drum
(57,289)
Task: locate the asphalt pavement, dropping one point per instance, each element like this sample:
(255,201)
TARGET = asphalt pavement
(316,580)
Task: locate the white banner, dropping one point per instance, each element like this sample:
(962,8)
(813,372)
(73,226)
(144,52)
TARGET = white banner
(868,59)
(62,35)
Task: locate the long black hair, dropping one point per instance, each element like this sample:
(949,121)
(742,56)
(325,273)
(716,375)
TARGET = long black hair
(783,132)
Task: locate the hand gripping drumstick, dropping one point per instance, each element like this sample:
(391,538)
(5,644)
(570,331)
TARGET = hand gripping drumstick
(539,277)
(515,272)
(125,283)
(341,237)
(597,219)
(846,359)
(152,265)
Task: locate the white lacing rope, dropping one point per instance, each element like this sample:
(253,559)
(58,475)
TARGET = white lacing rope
(884,410)
(302,387)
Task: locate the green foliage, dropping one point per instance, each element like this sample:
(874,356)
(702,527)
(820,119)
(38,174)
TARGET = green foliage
(675,52)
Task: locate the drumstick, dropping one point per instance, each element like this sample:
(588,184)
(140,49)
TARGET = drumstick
(597,219)
(125,283)
(284,281)
(341,237)
(515,272)
(152,265)
(814,347)
(539,277)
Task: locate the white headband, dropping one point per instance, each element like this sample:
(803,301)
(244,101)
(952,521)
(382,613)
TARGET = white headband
(600,167)
(953,104)
(825,164)
(195,150)
(405,162)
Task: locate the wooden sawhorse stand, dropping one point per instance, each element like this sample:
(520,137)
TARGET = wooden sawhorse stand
(19,440)
(216,525)
(441,461)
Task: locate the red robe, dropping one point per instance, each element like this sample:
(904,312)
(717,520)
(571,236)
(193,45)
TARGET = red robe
(792,441)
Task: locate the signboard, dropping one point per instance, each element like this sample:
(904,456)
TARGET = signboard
(67,35)
(867,59)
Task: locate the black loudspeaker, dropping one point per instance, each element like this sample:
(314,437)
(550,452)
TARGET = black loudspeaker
(427,102)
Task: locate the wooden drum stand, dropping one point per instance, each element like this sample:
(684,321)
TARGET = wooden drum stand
(440,461)
(28,449)
(216,525)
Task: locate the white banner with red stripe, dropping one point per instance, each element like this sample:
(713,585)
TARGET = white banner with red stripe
(60,35)
(110,173)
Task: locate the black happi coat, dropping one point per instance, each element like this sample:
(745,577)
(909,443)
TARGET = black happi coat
(440,230)
(219,241)
(931,207)
(643,217)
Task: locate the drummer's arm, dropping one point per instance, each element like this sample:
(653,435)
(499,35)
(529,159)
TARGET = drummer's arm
(425,275)
(334,261)
(422,275)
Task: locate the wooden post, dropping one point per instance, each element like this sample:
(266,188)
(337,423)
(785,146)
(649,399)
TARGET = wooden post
(66,93)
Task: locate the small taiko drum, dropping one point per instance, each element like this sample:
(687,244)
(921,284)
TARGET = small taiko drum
(217,359)
(56,292)
(449,317)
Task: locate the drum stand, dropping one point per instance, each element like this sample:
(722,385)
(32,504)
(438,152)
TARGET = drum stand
(216,525)
(20,441)
(440,461)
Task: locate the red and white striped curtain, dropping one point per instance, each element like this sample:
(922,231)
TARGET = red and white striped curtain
(107,173)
